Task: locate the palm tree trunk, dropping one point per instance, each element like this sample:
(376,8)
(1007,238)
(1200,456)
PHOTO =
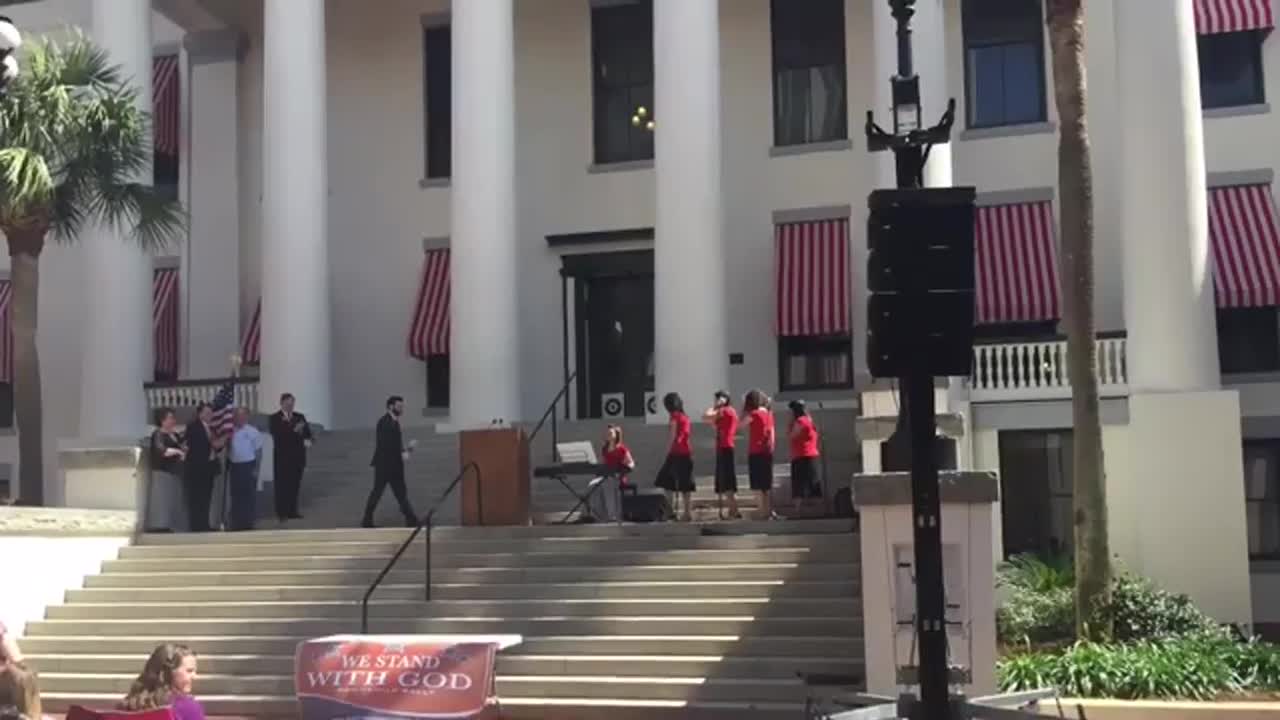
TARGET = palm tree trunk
(1075,186)
(25,246)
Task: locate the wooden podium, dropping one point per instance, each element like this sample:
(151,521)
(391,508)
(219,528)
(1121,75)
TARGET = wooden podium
(500,495)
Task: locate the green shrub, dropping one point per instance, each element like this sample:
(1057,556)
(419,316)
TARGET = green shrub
(1039,606)
(1036,574)
(1139,610)
(1257,664)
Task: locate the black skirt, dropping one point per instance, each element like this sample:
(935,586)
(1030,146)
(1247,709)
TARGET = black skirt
(804,478)
(760,471)
(726,472)
(676,474)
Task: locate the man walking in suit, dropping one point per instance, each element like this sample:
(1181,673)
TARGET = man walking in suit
(389,456)
(290,436)
(200,467)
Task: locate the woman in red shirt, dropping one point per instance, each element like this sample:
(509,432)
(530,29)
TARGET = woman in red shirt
(676,474)
(724,419)
(606,502)
(760,442)
(804,454)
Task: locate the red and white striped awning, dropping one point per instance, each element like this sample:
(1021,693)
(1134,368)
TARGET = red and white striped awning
(812,278)
(165,94)
(1245,242)
(6,331)
(1224,16)
(164,321)
(251,343)
(1016,261)
(429,333)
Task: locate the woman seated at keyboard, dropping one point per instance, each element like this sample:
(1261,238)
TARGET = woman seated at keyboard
(615,455)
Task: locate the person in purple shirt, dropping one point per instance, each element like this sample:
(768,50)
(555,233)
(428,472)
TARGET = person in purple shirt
(166,681)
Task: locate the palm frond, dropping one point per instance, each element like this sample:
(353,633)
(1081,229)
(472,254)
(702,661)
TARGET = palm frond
(151,218)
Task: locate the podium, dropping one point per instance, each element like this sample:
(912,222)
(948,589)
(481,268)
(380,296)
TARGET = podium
(499,495)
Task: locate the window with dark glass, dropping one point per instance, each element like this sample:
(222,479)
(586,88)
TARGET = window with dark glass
(1262,497)
(815,363)
(1035,491)
(1003,62)
(6,405)
(622,81)
(438,98)
(437,381)
(1248,340)
(809,79)
(1231,69)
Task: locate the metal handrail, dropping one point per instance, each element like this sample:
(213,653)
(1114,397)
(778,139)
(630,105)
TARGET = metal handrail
(424,523)
(551,413)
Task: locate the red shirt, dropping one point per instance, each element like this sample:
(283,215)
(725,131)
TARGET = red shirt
(680,443)
(726,427)
(804,444)
(617,458)
(759,422)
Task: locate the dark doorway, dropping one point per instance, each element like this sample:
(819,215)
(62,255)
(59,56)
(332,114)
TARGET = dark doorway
(1035,491)
(613,311)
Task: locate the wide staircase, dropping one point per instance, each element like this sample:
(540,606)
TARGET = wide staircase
(619,621)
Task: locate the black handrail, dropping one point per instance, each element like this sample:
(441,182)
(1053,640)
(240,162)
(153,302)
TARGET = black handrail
(424,523)
(551,413)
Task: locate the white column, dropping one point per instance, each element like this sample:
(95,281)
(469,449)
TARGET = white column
(212,322)
(116,323)
(485,340)
(1168,282)
(295,250)
(929,53)
(689,288)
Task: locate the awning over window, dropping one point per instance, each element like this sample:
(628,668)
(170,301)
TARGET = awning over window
(6,331)
(812,278)
(165,114)
(1224,16)
(164,320)
(429,332)
(1016,261)
(251,343)
(1245,242)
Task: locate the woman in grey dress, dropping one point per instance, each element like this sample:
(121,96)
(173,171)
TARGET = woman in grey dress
(166,502)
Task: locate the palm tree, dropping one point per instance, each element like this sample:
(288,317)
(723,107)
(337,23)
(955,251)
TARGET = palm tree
(1075,186)
(74,152)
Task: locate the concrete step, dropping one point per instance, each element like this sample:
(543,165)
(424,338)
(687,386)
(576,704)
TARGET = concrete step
(512,708)
(504,546)
(405,573)
(506,608)
(660,687)
(749,625)
(516,663)
(826,646)
(778,590)
(415,558)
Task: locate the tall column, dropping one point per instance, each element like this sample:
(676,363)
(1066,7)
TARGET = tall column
(689,288)
(116,324)
(1168,282)
(295,247)
(212,322)
(485,340)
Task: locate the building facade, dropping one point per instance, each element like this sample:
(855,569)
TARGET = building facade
(474,205)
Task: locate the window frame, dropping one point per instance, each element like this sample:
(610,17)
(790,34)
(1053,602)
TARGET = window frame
(1042,63)
(437,166)
(1263,313)
(839,60)
(1063,454)
(830,341)
(1256,60)
(1271,493)
(437,373)
(638,148)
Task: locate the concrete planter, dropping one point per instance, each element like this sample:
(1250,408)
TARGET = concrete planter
(1157,710)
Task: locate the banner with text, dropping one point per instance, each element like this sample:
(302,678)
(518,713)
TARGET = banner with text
(373,677)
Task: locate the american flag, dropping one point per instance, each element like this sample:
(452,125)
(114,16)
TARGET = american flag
(224,408)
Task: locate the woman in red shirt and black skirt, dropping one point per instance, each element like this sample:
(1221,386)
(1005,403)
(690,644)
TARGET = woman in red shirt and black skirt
(760,442)
(676,474)
(804,454)
(724,419)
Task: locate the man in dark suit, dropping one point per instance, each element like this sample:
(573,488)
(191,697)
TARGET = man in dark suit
(290,436)
(389,456)
(200,467)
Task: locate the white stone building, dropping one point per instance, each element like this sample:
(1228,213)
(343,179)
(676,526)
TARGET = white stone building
(375,182)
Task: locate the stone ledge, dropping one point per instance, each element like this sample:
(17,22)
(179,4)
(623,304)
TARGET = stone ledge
(66,521)
(956,488)
(950,425)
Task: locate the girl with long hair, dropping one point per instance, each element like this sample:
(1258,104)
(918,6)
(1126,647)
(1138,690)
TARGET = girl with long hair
(760,444)
(166,681)
(167,501)
(606,502)
(676,474)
